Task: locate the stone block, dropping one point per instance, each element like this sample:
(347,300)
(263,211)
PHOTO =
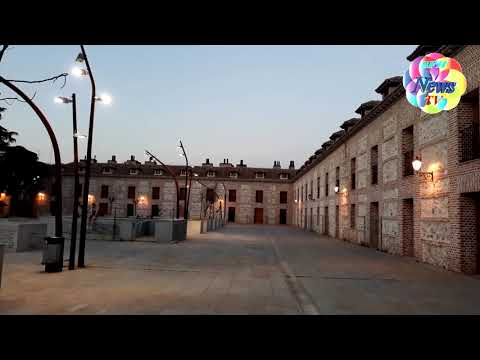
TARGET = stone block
(30,236)
(434,232)
(433,128)
(163,231)
(434,207)
(390,194)
(390,171)
(390,148)
(435,254)
(389,127)
(390,208)
(390,228)
(194,227)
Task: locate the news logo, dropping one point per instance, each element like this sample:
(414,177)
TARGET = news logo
(434,83)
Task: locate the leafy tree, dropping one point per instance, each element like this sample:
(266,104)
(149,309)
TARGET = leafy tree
(6,137)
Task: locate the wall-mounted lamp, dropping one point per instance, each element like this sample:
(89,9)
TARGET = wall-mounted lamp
(336,189)
(417,165)
(41,196)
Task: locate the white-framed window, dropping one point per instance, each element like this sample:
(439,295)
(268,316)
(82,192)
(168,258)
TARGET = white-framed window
(234,174)
(133,171)
(183,172)
(211,174)
(284,176)
(157,172)
(106,170)
(259,175)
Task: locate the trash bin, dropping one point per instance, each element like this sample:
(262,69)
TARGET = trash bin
(53,253)
(2,251)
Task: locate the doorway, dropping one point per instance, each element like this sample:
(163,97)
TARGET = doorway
(326,221)
(407,227)
(231,214)
(310,227)
(337,221)
(258,216)
(374,224)
(129,209)
(283,216)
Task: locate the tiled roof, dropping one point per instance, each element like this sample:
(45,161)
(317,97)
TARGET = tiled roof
(390,82)
(367,106)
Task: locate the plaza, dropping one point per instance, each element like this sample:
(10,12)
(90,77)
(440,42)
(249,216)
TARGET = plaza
(239,269)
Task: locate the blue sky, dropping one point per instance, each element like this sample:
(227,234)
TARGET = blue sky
(256,103)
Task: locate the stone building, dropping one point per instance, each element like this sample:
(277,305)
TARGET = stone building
(252,195)
(360,186)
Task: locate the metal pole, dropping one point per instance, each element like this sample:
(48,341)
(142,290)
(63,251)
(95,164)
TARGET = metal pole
(172,174)
(73,242)
(56,151)
(185,211)
(86,186)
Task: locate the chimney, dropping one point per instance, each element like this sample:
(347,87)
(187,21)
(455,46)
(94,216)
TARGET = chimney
(225,163)
(132,158)
(276,165)
(207,163)
(292,165)
(241,164)
(94,159)
(113,161)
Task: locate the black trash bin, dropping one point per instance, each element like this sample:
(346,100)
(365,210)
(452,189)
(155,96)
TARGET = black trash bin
(53,253)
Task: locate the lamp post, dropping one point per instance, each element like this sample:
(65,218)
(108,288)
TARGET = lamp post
(187,191)
(82,57)
(172,174)
(56,151)
(73,242)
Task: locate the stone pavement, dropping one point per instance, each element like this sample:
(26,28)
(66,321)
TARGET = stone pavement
(240,269)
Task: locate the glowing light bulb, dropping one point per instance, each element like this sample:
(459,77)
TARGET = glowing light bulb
(417,164)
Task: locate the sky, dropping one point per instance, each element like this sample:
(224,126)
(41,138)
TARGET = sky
(256,103)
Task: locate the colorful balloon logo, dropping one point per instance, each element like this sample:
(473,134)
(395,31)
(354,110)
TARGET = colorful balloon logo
(434,83)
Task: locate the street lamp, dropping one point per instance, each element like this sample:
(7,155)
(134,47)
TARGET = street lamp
(187,191)
(172,174)
(72,100)
(417,165)
(76,71)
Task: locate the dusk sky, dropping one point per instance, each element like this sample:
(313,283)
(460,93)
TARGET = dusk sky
(256,103)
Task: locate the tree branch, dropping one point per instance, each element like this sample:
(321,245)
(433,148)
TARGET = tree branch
(4,48)
(53,78)
(17,99)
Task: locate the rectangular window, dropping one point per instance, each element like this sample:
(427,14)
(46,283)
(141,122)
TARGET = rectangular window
(131,192)
(104,192)
(234,175)
(469,127)
(260,175)
(352,216)
(284,176)
(326,184)
(337,176)
(157,172)
(318,215)
(155,210)
(318,187)
(133,171)
(311,189)
(306,191)
(183,172)
(283,197)
(407,150)
(106,170)
(374,164)
(210,195)
(183,193)
(353,165)
(259,196)
(211,174)
(155,193)
(302,194)
(232,195)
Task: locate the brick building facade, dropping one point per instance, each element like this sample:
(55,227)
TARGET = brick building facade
(252,195)
(381,202)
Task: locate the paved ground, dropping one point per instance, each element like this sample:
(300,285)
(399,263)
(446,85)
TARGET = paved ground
(236,270)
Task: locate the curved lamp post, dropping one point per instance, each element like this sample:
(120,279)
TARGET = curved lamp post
(187,190)
(172,174)
(82,57)
(56,151)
